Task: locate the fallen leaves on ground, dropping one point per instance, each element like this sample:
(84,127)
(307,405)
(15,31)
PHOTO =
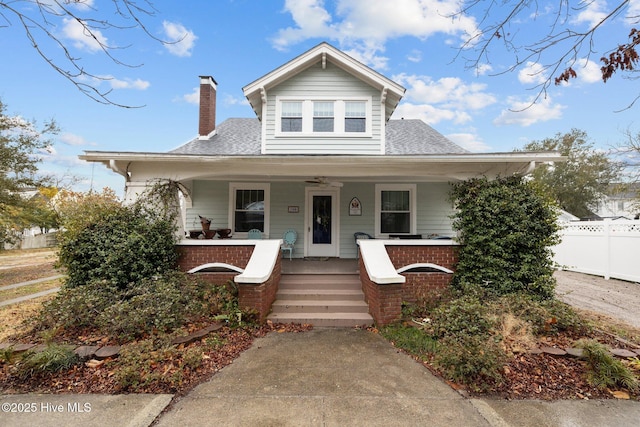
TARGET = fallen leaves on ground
(95,376)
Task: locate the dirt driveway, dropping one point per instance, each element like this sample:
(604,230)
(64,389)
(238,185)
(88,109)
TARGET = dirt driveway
(615,298)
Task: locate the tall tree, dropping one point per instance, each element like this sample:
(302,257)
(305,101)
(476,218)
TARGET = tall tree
(41,22)
(629,154)
(20,143)
(579,183)
(571,33)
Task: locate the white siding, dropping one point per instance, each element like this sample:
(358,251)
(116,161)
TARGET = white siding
(211,199)
(434,210)
(317,82)
(283,195)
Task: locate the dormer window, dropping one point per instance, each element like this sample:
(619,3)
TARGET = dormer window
(355,116)
(291,116)
(323,116)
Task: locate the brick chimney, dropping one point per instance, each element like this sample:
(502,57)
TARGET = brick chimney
(207,120)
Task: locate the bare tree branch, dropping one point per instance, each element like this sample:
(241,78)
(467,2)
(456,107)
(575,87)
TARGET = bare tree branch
(40,21)
(557,51)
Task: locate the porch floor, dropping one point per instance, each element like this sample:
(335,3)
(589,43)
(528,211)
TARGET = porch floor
(320,266)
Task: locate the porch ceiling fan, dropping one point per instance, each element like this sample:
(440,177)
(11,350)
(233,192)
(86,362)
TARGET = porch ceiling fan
(323,181)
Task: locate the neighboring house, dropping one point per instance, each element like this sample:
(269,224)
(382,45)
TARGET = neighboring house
(321,157)
(619,204)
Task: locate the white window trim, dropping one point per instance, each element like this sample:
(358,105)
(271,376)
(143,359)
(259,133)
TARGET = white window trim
(413,208)
(338,116)
(233,187)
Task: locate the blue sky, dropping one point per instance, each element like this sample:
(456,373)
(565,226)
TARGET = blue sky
(414,42)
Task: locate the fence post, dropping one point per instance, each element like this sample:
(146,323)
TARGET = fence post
(607,248)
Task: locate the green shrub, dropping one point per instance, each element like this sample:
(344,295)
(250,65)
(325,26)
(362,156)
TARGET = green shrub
(78,307)
(161,303)
(506,228)
(127,245)
(475,360)
(604,370)
(464,316)
(53,358)
(414,340)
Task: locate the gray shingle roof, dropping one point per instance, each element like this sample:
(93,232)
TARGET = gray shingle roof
(406,137)
(241,137)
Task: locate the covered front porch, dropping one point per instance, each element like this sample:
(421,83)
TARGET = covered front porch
(386,274)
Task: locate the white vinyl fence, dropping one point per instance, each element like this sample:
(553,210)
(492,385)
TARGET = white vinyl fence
(602,248)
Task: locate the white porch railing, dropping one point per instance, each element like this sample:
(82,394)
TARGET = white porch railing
(602,248)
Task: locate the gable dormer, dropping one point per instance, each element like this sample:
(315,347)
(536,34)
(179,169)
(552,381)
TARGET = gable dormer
(323,102)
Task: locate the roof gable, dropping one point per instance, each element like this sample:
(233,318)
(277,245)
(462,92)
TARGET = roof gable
(391,92)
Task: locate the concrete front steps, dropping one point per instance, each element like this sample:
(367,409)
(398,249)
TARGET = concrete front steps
(322,300)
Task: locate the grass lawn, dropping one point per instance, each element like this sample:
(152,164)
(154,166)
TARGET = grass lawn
(7,294)
(12,316)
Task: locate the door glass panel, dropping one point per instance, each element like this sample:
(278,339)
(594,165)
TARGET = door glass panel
(322,219)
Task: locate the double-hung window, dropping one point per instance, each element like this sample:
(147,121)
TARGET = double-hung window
(291,120)
(323,116)
(395,209)
(250,207)
(355,116)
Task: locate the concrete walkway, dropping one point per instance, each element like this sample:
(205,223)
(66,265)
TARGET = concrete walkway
(325,377)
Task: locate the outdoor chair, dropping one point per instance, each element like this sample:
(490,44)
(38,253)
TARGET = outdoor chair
(289,239)
(254,234)
(360,235)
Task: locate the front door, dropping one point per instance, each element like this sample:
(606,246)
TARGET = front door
(322,221)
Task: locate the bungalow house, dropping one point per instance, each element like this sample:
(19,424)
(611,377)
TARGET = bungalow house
(321,157)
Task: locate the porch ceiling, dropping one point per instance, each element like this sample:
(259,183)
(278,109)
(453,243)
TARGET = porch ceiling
(143,166)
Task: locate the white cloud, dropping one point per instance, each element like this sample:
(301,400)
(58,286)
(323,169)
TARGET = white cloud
(524,113)
(74,140)
(180,40)
(469,141)
(365,29)
(590,71)
(190,98)
(483,69)
(415,56)
(231,100)
(428,113)
(136,84)
(591,12)
(634,11)
(82,39)
(450,92)
(532,74)
(445,99)
(82,4)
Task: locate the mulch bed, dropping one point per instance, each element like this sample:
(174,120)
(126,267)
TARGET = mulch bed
(85,378)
